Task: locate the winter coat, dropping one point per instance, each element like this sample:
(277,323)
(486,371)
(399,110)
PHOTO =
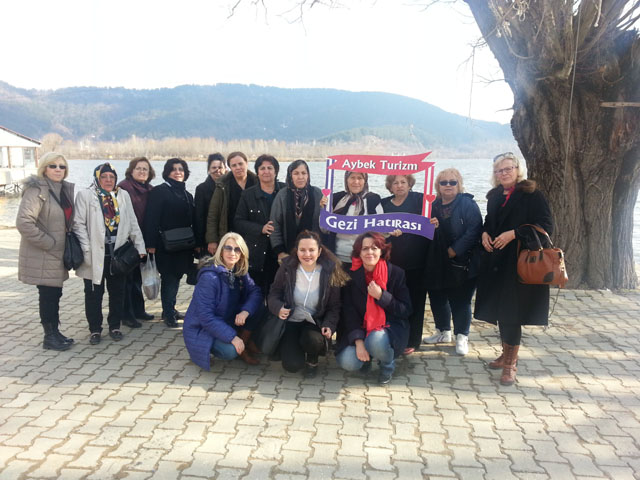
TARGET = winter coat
(284,232)
(41,223)
(252,214)
(465,229)
(395,301)
(218,216)
(168,208)
(139,193)
(204,194)
(372,206)
(90,229)
(500,298)
(281,292)
(204,320)
(408,251)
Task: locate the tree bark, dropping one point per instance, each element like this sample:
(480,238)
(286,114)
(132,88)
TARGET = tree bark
(589,168)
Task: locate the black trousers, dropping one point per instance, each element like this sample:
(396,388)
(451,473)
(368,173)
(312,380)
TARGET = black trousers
(49,304)
(418,295)
(133,296)
(510,333)
(93,299)
(300,340)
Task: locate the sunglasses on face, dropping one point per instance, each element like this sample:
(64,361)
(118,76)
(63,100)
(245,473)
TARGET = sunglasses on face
(53,166)
(231,249)
(444,183)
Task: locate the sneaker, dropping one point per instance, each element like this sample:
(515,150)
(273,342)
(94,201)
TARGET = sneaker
(384,378)
(462,344)
(94,339)
(438,337)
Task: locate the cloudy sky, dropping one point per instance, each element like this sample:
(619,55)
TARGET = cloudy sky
(373,45)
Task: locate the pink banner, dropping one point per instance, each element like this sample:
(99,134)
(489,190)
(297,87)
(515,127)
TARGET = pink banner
(382,164)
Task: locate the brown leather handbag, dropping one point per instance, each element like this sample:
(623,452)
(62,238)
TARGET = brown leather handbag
(542,266)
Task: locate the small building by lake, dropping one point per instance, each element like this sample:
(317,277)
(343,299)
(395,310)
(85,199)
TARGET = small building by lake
(18,157)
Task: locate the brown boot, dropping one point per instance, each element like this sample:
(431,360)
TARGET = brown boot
(510,359)
(498,363)
(246,356)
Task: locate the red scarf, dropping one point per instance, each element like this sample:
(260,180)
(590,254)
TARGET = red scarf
(508,191)
(374,316)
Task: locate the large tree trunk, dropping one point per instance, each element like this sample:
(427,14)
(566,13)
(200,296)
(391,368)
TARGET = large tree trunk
(589,168)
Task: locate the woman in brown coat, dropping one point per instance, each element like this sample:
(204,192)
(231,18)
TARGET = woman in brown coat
(45,212)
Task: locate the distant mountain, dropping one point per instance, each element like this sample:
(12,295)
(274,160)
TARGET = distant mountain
(230,111)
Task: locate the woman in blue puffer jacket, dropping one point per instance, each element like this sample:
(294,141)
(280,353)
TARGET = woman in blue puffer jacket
(225,307)
(452,259)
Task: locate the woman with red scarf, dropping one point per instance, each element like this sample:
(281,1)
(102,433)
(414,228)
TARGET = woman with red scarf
(514,201)
(375,309)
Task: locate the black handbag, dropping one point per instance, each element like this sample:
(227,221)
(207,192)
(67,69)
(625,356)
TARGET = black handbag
(124,259)
(178,239)
(270,333)
(73,256)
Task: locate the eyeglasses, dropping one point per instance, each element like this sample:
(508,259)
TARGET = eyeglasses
(444,183)
(141,169)
(372,248)
(53,166)
(177,169)
(504,170)
(231,249)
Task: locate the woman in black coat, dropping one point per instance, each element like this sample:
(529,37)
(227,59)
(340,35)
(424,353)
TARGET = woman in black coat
(500,298)
(375,310)
(253,223)
(409,251)
(306,295)
(169,207)
(204,193)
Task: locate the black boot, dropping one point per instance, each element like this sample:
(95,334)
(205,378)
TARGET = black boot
(51,339)
(67,340)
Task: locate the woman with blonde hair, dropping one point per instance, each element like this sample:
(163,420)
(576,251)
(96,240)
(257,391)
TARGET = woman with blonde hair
(224,307)
(501,298)
(44,216)
(452,259)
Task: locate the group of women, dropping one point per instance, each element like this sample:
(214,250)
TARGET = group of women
(263,254)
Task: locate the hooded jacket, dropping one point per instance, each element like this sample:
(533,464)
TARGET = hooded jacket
(41,223)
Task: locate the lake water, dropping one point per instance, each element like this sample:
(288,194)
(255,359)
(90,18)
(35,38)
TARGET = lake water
(476,174)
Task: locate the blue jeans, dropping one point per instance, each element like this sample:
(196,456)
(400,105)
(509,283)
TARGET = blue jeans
(453,302)
(223,351)
(169,284)
(379,348)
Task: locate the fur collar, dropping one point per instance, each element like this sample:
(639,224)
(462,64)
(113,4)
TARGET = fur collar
(525,186)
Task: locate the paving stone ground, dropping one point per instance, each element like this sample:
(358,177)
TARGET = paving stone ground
(139,409)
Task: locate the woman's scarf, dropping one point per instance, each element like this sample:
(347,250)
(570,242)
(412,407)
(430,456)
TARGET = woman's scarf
(374,317)
(508,192)
(357,199)
(108,200)
(300,195)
